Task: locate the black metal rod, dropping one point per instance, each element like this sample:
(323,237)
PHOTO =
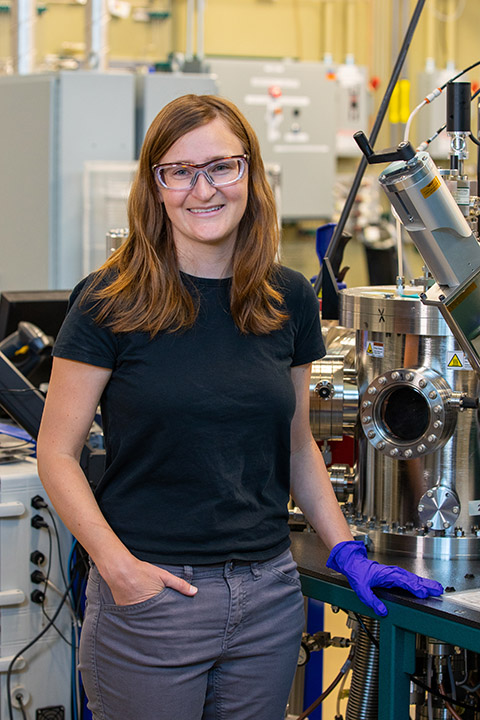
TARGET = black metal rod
(347,208)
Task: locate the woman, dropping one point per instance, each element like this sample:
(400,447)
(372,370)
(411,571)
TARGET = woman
(198,346)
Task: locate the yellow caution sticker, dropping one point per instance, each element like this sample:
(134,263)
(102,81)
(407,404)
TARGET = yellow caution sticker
(455,361)
(432,186)
(458,361)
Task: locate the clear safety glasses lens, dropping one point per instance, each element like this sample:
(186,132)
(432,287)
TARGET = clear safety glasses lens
(182,176)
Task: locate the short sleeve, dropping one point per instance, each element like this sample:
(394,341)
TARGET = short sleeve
(81,338)
(309,345)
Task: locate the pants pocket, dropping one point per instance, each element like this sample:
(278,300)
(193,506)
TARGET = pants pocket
(284,568)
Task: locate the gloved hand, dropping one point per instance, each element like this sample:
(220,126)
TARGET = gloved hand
(350,558)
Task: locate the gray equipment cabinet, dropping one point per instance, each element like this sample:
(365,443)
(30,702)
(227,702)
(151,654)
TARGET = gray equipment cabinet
(291,107)
(155,90)
(50,125)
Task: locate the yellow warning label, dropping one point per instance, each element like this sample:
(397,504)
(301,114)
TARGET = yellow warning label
(369,349)
(431,187)
(455,362)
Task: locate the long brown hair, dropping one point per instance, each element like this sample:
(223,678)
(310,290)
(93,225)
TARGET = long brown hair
(140,288)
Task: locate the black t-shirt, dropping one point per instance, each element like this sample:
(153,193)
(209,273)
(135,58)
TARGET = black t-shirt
(197,425)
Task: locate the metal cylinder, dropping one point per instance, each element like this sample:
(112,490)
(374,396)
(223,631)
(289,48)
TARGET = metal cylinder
(458,106)
(114,238)
(333,386)
(418,458)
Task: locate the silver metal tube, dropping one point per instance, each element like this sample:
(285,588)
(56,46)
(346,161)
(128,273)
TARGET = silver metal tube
(200,29)
(189,30)
(363,695)
(24,15)
(96,44)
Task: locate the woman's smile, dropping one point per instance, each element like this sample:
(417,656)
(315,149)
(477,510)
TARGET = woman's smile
(205,215)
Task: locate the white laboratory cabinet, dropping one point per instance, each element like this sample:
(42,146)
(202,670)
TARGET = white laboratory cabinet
(42,673)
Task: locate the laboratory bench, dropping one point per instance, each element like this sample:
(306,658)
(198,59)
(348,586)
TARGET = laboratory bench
(441,618)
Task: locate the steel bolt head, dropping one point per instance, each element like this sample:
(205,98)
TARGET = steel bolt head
(429,493)
(422,383)
(394,452)
(421,508)
(372,390)
(437,424)
(432,438)
(366,418)
(408,453)
(432,394)
(446,524)
(409,376)
(366,404)
(421,448)
(437,409)
(371,434)
(382,380)
(456,509)
(395,375)
(429,523)
(381,445)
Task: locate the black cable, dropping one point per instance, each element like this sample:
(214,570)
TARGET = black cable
(59,549)
(49,567)
(477,92)
(446,698)
(18,698)
(462,72)
(47,578)
(79,571)
(373,136)
(27,647)
(371,636)
(346,667)
(441,129)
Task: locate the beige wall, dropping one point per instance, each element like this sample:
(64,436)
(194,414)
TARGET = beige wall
(303,29)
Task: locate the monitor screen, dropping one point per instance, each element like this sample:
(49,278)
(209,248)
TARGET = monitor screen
(44,308)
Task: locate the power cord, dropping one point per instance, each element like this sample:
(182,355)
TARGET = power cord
(371,636)
(27,647)
(38,576)
(345,668)
(445,698)
(38,503)
(19,699)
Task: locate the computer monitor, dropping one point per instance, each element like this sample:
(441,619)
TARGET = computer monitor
(44,308)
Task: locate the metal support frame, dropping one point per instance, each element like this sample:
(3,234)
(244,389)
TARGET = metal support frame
(397,638)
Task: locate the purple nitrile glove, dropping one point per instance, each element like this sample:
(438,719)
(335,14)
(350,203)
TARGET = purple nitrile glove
(350,559)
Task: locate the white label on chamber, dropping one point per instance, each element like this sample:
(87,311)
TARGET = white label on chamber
(374,349)
(474,507)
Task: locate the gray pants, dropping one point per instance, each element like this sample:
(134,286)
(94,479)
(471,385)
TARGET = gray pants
(228,653)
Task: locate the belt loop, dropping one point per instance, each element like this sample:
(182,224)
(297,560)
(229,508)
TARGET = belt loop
(188,573)
(256,572)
